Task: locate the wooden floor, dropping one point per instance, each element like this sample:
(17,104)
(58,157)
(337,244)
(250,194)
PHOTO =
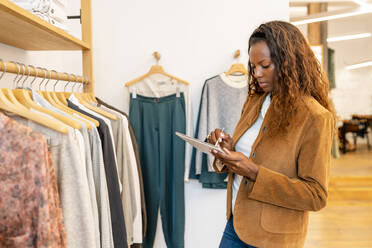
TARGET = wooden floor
(347,219)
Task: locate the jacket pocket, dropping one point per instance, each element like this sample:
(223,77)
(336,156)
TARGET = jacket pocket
(276,219)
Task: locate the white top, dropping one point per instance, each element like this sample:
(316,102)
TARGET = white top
(129,152)
(235,81)
(245,143)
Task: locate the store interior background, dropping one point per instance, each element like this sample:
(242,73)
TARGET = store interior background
(197,40)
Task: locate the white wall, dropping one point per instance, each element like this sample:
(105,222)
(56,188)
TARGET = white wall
(196,40)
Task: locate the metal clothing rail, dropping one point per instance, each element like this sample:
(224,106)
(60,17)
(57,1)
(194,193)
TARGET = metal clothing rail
(30,70)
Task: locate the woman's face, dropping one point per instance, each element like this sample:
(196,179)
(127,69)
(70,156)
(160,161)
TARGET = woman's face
(262,67)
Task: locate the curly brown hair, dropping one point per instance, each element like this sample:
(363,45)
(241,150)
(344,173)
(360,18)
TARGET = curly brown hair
(298,72)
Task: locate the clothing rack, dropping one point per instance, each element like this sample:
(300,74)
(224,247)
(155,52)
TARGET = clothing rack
(32,71)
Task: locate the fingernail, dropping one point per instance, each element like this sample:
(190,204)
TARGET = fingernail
(222,135)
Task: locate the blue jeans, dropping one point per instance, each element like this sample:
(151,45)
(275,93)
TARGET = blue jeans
(230,239)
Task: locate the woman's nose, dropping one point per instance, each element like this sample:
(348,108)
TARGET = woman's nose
(258,73)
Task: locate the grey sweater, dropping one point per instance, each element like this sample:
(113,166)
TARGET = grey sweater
(220,107)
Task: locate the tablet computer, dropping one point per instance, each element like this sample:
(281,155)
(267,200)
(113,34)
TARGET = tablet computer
(199,144)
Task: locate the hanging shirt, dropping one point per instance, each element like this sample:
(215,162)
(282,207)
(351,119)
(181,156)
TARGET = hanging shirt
(245,143)
(100,183)
(27,175)
(127,195)
(220,107)
(139,169)
(83,142)
(75,101)
(116,208)
(131,177)
(158,85)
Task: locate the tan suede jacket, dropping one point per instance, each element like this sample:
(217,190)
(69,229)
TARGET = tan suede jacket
(292,177)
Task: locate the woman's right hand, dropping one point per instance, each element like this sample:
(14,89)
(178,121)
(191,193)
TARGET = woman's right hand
(225,140)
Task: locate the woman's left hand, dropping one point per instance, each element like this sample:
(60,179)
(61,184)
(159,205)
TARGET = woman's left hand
(238,163)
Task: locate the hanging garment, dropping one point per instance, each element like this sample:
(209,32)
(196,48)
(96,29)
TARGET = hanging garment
(116,209)
(75,101)
(158,85)
(220,107)
(155,121)
(100,183)
(83,141)
(128,173)
(27,175)
(136,153)
(72,183)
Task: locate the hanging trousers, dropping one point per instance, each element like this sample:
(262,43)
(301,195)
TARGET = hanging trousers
(162,157)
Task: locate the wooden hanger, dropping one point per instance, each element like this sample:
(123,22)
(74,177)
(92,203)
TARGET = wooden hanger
(25,98)
(237,68)
(6,105)
(95,109)
(72,111)
(91,97)
(8,92)
(88,106)
(22,111)
(155,69)
(48,96)
(64,106)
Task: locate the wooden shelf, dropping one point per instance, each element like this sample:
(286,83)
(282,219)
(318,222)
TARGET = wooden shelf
(22,29)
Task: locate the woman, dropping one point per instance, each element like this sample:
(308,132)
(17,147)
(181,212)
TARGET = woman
(279,155)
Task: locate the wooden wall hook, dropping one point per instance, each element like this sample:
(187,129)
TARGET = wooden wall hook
(237,54)
(156,56)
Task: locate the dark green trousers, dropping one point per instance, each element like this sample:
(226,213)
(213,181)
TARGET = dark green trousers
(162,157)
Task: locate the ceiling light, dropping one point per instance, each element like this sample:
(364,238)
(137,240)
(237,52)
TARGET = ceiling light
(360,65)
(326,16)
(349,37)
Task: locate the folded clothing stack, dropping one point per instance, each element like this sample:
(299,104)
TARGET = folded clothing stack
(52,11)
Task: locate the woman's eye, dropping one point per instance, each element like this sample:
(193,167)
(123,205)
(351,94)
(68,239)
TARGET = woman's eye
(265,66)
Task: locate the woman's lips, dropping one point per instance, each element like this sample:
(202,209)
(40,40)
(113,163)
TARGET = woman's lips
(263,84)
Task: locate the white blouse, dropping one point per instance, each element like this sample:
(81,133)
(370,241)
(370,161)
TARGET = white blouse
(245,143)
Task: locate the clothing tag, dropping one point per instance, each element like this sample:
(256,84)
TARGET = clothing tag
(162,83)
(134,93)
(178,94)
